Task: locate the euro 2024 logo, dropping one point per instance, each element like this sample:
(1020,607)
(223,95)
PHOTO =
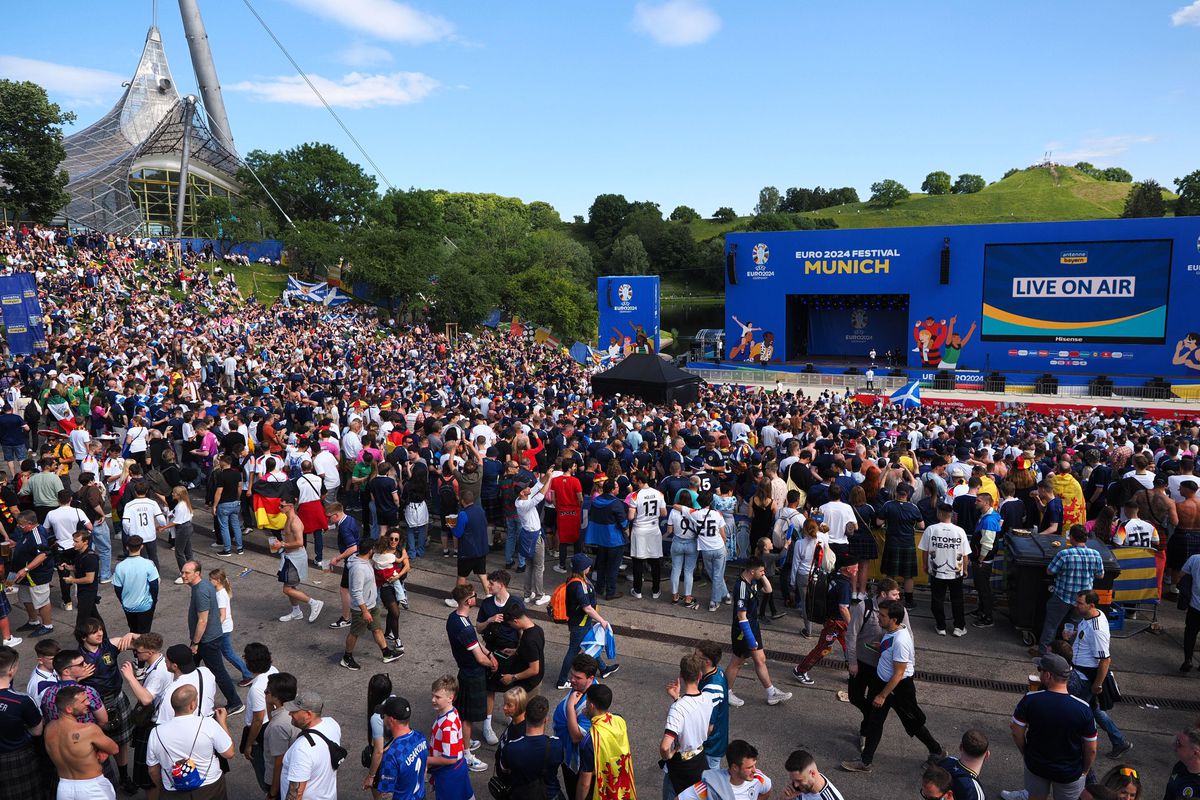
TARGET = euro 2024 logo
(858,319)
(625,293)
(760,254)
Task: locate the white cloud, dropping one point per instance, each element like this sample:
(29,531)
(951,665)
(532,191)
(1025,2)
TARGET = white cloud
(382,19)
(1188,15)
(676,23)
(1096,148)
(361,54)
(76,85)
(354,90)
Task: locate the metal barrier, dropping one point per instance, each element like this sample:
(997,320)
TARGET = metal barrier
(771,378)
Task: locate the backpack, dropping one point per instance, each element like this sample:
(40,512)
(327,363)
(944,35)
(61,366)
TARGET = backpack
(337,753)
(558,602)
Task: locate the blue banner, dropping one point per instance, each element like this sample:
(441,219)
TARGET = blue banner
(24,327)
(856,331)
(629,307)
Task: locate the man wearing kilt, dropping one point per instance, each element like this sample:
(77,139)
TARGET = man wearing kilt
(148,680)
(902,518)
(103,655)
(20,721)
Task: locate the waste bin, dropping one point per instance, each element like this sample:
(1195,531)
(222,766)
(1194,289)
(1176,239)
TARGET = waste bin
(1028,583)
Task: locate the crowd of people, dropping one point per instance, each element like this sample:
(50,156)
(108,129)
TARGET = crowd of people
(350,443)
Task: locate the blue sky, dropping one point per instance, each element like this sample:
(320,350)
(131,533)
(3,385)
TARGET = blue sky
(699,102)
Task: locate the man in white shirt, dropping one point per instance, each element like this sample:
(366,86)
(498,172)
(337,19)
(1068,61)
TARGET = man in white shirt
(531,526)
(182,666)
(352,442)
(836,514)
(325,464)
(946,548)
(687,728)
(307,766)
(1092,658)
(143,517)
(807,781)
(186,736)
(1136,532)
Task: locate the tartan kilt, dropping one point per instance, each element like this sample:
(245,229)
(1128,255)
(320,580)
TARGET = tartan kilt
(493,511)
(898,560)
(1182,545)
(140,742)
(23,778)
(863,546)
(120,727)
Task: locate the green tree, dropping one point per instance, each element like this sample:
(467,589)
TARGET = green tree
(724,214)
(311,182)
(556,250)
(31,149)
(1117,175)
(1188,189)
(684,214)
(1009,173)
(1145,200)
(606,217)
(887,193)
(552,296)
(542,216)
(936,183)
(463,290)
(768,200)
(312,245)
(968,184)
(233,221)
(629,256)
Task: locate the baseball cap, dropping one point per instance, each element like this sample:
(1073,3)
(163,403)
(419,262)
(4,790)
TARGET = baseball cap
(397,708)
(306,701)
(1054,664)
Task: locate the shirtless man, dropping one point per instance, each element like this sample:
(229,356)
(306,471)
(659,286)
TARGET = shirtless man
(1186,539)
(293,565)
(79,750)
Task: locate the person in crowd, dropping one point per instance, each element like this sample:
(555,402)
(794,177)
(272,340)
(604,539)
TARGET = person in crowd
(1074,569)
(605,757)
(78,747)
(205,634)
(20,721)
(136,583)
(805,781)
(1056,734)
(532,761)
(308,770)
(745,634)
(581,615)
(192,738)
(401,771)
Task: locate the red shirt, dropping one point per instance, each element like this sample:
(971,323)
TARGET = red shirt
(567,491)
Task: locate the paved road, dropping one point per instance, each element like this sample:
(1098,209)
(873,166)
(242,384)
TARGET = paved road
(813,719)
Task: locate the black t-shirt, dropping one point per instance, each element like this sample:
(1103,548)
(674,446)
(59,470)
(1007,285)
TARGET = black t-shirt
(745,598)
(382,488)
(86,562)
(1012,515)
(463,640)
(498,635)
(531,648)
(18,713)
(228,481)
(1056,726)
(27,549)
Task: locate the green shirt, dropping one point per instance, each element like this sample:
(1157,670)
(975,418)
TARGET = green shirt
(44,486)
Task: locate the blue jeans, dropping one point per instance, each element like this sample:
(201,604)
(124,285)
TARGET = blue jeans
(211,655)
(683,561)
(232,657)
(229,517)
(714,565)
(1056,612)
(416,540)
(1103,720)
(577,633)
(318,538)
(512,536)
(102,544)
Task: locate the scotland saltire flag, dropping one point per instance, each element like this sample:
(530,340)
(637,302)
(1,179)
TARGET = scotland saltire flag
(907,396)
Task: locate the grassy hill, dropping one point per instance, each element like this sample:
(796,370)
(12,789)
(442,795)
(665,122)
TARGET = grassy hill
(1031,195)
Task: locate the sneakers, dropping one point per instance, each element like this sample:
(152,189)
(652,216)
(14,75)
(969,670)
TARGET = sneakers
(291,615)
(1120,750)
(69,606)
(449,601)
(41,630)
(445,554)
(245,682)
(216,545)
(109,580)
(960,632)
(404,604)
(224,552)
(692,604)
(736,701)
(241,551)
(941,631)
(565,685)
(802,677)
(28,626)
(656,595)
(489,735)
(775,697)
(314,609)
(179,581)
(560,570)
(1185,666)
(340,622)
(983,622)
(713,607)
(233,712)
(13,641)
(349,663)
(543,600)
(475,745)
(611,669)
(635,595)
(855,766)
(391,654)
(475,765)
(1014,794)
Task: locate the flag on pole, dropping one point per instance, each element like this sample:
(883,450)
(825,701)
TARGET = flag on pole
(907,396)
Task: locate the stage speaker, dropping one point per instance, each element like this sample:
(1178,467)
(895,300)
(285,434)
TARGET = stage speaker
(809,368)
(852,371)
(1047,384)
(944,381)
(994,382)
(1100,386)
(731,264)
(945,271)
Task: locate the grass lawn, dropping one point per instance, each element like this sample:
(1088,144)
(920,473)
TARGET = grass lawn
(269,282)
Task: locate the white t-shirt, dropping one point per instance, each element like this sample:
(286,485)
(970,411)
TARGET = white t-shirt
(948,548)
(325,464)
(688,719)
(648,504)
(193,678)
(63,522)
(758,785)
(178,739)
(143,517)
(256,696)
(181,513)
(709,524)
(1134,533)
(157,681)
(1091,642)
(837,514)
(679,525)
(223,603)
(895,647)
(310,762)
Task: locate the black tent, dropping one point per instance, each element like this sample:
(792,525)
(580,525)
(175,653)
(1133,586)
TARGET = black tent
(649,377)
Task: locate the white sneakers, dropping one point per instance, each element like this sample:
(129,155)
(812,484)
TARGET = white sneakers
(736,701)
(475,765)
(775,696)
(314,609)
(490,736)
(291,615)
(960,632)
(13,641)
(543,600)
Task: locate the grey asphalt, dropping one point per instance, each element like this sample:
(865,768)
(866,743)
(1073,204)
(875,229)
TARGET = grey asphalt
(813,719)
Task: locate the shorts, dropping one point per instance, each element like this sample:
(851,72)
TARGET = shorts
(97,788)
(293,568)
(38,595)
(468,565)
(740,647)
(359,625)
(1035,784)
(345,584)
(471,700)
(15,452)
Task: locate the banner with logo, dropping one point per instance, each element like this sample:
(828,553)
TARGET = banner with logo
(629,307)
(24,327)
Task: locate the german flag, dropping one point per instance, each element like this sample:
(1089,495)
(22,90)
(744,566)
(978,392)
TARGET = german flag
(267,497)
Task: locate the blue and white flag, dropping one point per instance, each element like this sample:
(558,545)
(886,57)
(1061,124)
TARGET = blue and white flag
(907,396)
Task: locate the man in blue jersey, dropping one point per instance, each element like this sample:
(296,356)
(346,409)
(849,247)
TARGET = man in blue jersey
(1056,734)
(402,771)
(964,768)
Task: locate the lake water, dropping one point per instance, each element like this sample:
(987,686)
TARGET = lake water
(687,319)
